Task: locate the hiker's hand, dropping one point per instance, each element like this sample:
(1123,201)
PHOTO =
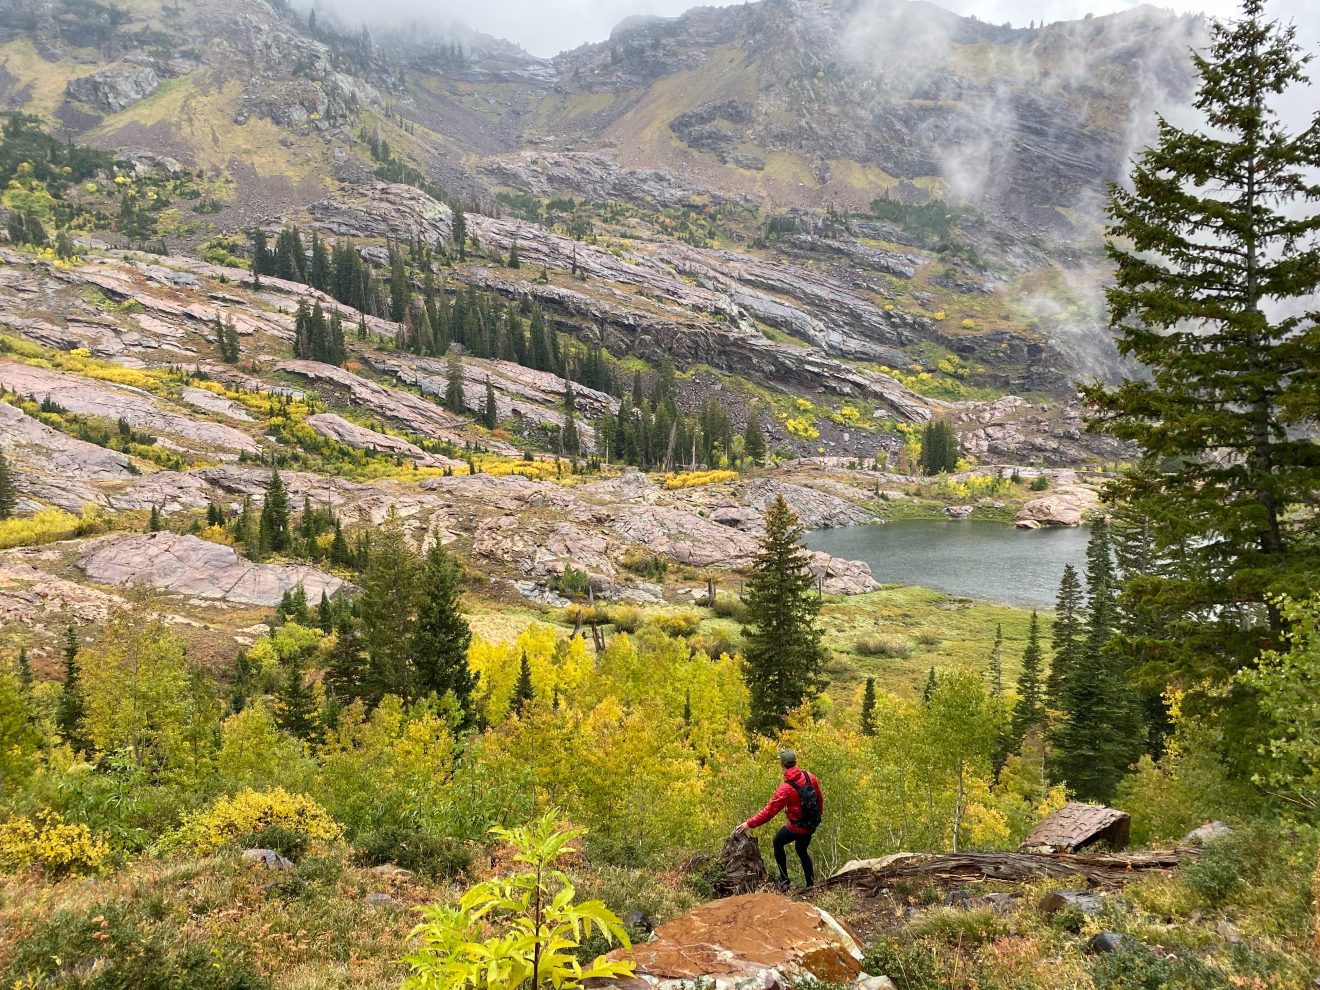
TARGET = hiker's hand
(740,828)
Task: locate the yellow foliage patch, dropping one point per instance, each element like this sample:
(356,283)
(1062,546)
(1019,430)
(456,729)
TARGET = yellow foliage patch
(47,526)
(230,819)
(695,479)
(51,845)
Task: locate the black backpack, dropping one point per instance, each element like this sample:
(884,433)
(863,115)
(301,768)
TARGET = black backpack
(809,817)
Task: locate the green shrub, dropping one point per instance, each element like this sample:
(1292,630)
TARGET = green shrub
(877,645)
(414,848)
(910,965)
(730,607)
(955,926)
(1040,484)
(573,583)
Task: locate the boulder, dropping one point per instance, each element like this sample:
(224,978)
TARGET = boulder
(958,511)
(1077,900)
(114,88)
(187,565)
(1067,506)
(1077,826)
(756,939)
(267,858)
(1104,942)
(1203,835)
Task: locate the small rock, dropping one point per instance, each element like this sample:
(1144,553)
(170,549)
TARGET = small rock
(638,921)
(1228,931)
(377,899)
(392,872)
(959,897)
(1078,900)
(1205,834)
(865,982)
(958,511)
(268,858)
(1110,942)
(999,903)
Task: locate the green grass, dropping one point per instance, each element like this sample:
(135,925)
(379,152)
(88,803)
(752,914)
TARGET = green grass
(943,631)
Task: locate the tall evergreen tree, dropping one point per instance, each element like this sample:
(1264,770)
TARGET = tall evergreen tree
(386,608)
(784,656)
(1217,252)
(1029,709)
(24,670)
(455,399)
(931,685)
(274,524)
(8,493)
(997,663)
(460,235)
(153,521)
(325,618)
(868,708)
(490,417)
(754,438)
(69,713)
(523,694)
(1067,645)
(295,709)
(441,636)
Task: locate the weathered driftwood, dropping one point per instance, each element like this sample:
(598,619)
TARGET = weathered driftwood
(1096,871)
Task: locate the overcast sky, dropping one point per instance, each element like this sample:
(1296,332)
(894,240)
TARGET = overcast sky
(546,27)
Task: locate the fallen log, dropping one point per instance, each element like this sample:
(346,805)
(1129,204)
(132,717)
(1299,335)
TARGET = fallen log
(1097,871)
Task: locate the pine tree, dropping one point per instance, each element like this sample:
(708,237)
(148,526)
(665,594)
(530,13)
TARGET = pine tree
(295,709)
(69,713)
(24,670)
(491,417)
(441,636)
(340,555)
(523,694)
(929,689)
(784,655)
(1029,709)
(8,493)
(324,616)
(274,525)
(1217,264)
(868,708)
(1067,643)
(460,234)
(514,261)
(455,400)
(386,609)
(997,663)
(754,438)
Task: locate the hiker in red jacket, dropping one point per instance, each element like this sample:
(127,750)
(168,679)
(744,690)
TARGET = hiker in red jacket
(803,803)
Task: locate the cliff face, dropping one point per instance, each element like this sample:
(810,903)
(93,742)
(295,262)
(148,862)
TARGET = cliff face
(710,173)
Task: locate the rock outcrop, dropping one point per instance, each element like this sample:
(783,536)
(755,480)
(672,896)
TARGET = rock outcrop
(115,88)
(1067,506)
(186,565)
(761,940)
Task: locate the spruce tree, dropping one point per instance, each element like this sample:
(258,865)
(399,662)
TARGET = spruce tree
(340,554)
(8,493)
(460,234)
(784,656)
(274,524)
(523,694)
(1069,616)
(931,685)
(324,616)
(24,670)
(490,417)
(69,713)
(295,709)
(153,521)
(1029,709)
(1217,252)
(455,400)
(997,663)
(441,636)
(386,609)
(868,708)
(754,438)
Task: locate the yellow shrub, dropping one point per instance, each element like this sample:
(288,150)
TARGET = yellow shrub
(968,324)
(939,314)
(801,428)
(51,845)
(694,479)
(45,526)
(230,819)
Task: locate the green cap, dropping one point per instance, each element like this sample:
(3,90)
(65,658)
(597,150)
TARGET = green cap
(787,758)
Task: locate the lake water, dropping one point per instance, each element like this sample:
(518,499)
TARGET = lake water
(967,557)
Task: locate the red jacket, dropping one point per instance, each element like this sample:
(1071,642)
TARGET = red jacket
(786,799)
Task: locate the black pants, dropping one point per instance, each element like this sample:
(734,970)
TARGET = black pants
(800,842)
